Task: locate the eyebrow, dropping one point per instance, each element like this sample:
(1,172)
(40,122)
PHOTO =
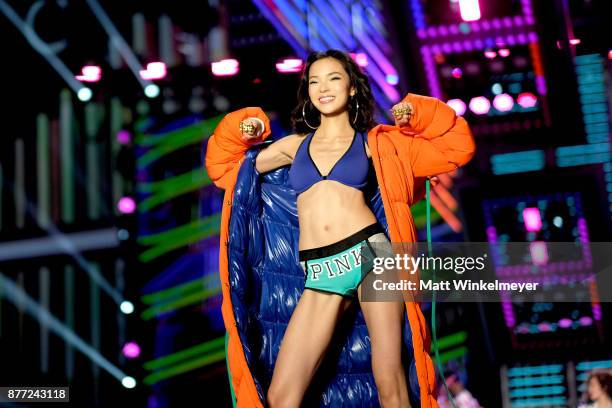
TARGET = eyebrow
(331,73)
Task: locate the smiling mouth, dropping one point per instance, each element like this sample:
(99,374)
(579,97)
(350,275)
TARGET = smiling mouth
(327,99)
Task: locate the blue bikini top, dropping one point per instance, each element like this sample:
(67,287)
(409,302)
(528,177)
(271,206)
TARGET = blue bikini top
(351,169)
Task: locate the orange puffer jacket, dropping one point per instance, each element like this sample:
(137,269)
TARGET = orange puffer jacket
(435,141)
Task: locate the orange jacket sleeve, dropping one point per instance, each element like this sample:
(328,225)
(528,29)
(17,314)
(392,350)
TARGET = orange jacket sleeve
(226,148)
(441,140)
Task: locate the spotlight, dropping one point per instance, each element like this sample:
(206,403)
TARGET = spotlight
(480,105)
(457,73)
(226,67)
(289,65)
(458,106)
(90,73)
(151,90)
(155,70)
(392,79)
(84,94)
(126,307)
(128,382)
(360,58)
(469,9)
(575,41)
(503,102)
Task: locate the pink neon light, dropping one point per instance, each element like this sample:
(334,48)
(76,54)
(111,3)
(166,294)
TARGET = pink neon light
(527,100)
(154,70)
(458,106)
(469,9)
(544,327)
(609,54)
(575,41)
(90,73)
(131,350)
(565,323)
(539,252)
(360,58)
(503,102)
(532,219)
(226,67)
(504,52)
(126,205)
(480,105)
(585,321)
(289,65)
(490,54)
(457,73)
(123,137)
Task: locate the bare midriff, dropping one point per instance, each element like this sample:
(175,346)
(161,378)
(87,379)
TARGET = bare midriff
(329,211)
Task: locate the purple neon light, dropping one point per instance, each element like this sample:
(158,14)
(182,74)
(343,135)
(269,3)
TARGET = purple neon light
(596,311)
(123,137)
(430,72)
(455,47)
(540,83)
(525,18)
(131,350)
(126,205)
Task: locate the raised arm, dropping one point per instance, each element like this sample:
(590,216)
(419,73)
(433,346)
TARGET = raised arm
(441,140)
(226,146)
(278,154)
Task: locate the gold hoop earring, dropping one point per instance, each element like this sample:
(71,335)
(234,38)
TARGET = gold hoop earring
(304,117)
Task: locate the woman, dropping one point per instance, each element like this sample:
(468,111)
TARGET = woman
(599,389)
(329,157)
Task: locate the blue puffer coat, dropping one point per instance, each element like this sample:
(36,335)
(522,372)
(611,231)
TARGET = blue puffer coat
(267,281)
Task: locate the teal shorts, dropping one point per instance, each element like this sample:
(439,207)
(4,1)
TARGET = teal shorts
(340,267)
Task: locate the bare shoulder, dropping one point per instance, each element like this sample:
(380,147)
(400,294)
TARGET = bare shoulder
(290,143)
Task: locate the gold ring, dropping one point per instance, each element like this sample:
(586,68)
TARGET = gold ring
(247,128)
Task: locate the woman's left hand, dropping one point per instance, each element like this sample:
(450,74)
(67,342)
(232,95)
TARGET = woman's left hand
(402,113)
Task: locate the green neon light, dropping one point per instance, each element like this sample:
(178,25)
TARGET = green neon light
(67,156)
(187,300)
(175,291)
(183,368)
(229,376)
(167,189)
(43,170)
(178,237)
(172,141)
(208,347)
(452,354)
(452,340)
(419,214)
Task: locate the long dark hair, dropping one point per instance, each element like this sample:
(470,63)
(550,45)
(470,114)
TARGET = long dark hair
(363,95)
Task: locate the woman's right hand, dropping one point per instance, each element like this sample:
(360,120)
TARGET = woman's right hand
(251,128)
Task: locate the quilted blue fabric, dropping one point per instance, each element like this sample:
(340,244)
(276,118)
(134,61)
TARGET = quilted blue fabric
(267,281)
